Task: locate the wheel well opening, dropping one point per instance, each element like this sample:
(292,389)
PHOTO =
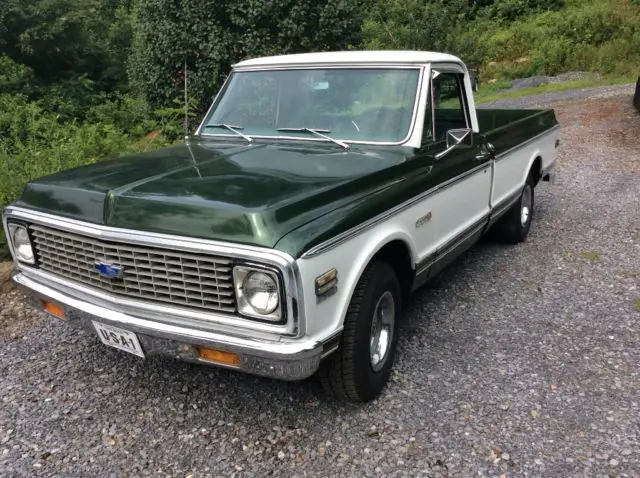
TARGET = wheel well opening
(536,170)
(398,256)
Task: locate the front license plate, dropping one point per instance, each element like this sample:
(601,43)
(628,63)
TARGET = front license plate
(119,338)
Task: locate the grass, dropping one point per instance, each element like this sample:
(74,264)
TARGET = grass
(630,275)
(499,91)
(591,256)
(636,304)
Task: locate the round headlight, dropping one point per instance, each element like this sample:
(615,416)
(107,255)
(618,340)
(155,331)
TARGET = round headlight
(22,245)
(261,291)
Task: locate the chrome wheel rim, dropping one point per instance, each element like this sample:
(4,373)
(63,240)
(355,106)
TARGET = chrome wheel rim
(525,211)
(384,317)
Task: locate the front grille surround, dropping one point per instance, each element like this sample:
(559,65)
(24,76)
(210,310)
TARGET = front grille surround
(152,274)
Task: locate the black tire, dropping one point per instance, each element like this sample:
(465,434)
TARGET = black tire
(348,374)
(512,227)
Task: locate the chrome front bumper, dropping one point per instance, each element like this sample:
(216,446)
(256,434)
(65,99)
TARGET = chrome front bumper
(285,360)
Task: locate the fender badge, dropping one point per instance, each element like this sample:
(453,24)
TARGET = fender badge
(424,219)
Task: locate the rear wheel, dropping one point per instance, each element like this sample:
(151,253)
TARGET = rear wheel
(514,227)
(360,369)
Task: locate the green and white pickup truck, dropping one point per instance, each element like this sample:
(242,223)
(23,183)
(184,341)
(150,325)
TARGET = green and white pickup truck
(284,237)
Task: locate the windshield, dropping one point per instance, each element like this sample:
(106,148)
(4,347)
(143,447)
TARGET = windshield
(351,104)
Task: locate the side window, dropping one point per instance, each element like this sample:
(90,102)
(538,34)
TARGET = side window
(448,107)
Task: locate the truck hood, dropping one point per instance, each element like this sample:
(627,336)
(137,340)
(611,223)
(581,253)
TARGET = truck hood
(253,194)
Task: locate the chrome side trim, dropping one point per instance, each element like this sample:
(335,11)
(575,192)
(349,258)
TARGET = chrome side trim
(527,142)
(502,207)
(251,254)
(359,229)
(410,134)
(343,237)
(451,245)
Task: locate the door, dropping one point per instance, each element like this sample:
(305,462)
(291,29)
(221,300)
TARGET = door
(460,180)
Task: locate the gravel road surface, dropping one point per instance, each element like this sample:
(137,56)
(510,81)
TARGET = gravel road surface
(555,97)
(517,361)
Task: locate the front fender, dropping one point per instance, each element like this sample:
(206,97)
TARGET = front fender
(325,315)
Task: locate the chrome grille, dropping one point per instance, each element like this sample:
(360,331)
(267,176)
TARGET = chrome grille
(151,274)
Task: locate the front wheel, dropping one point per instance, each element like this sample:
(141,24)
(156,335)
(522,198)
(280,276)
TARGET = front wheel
(361,367)
(514,227)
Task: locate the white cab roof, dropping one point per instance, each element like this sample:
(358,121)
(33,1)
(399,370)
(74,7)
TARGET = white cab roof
(351,57)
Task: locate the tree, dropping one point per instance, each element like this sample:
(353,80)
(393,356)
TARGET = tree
(211,35)
(63,40)
(453,26)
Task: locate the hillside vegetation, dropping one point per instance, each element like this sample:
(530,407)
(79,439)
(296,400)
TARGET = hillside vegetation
(83,80)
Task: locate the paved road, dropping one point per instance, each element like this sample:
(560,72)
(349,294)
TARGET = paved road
(518,361)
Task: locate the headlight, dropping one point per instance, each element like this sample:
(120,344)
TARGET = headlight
(258,293)
(19,237)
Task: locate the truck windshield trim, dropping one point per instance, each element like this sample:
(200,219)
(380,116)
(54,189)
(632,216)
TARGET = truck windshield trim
(409,79)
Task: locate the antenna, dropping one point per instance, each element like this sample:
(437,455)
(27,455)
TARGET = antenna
(186,102)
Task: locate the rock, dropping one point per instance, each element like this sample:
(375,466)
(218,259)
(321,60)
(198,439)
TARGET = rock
(529,82)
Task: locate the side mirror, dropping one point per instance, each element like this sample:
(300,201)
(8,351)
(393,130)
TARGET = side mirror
(457,139)
(460,138)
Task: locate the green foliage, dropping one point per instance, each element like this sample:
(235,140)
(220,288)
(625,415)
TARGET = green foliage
(211,35)
(130,114)
(444,25)
(506,11)
(62,40)
(37,143)
(408,24)
(14,77)
(598,36)
(514,38)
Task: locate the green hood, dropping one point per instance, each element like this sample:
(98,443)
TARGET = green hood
(253,194)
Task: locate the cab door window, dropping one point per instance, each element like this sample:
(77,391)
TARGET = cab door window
(446,109)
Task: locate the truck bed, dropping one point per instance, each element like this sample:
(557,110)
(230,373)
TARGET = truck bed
(508,128)
(504,128)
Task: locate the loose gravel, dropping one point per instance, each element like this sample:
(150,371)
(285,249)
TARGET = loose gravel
(556,97)
(517,361)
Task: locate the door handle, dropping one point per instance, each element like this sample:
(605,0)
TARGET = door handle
(487,152)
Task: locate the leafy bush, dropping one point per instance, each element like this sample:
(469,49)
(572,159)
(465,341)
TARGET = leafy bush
(594,36)
(514,38)
(211,35)
(37,143)
(506,11)
(130,114)
(66,39)
(14,77)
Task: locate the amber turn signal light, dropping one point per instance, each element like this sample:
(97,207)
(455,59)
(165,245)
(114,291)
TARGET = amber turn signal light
(218,356)
(54,309)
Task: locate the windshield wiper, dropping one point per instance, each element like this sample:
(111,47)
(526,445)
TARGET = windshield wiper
(317,132)
(232,128)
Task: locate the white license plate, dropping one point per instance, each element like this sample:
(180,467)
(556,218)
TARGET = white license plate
(119,338)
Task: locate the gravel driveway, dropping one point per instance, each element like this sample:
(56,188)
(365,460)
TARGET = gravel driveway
(517,361)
